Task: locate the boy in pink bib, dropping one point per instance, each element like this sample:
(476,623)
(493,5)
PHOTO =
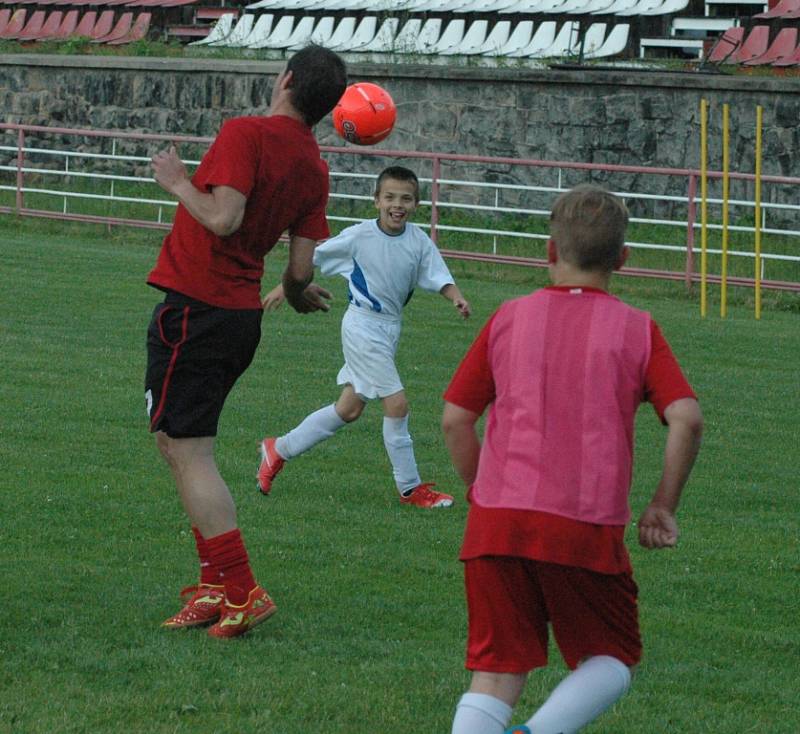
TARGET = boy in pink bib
(562,372)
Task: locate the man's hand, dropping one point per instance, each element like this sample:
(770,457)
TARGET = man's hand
(312,298)
(168,170)
(658,528)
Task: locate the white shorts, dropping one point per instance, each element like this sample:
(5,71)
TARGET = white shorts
(369,344)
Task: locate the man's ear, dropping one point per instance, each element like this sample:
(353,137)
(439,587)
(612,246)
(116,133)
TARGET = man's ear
(552,252)
(286,80)
(623,257)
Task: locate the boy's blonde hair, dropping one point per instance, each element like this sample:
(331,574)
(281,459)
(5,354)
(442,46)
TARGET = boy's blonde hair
(588,225)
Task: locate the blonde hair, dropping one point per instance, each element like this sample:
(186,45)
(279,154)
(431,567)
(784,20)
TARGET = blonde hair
(588,225)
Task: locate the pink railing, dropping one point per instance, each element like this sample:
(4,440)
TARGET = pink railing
(690,175)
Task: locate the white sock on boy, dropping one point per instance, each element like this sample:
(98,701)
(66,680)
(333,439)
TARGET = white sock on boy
(316,427)
(582,696)
(479,713)
(399,446)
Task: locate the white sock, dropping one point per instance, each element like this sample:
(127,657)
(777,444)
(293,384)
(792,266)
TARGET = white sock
(316,427)
(582,696)
(479,713)
(399,446)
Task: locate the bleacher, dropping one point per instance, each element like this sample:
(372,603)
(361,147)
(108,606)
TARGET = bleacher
(746,32)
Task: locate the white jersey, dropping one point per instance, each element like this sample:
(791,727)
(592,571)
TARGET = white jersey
(383,270)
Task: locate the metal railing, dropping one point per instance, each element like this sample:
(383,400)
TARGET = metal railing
(33,159)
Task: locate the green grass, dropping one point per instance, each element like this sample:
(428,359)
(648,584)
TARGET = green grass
(371,623)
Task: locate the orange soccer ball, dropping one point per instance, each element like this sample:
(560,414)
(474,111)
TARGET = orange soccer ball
(365,114)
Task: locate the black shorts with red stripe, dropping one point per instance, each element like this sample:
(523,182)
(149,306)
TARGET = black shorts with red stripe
(195,354)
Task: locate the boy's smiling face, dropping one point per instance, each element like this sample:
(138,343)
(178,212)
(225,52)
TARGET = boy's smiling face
(396,202)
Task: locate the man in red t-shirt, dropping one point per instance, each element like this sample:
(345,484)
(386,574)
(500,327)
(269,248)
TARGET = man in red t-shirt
(261,177)
(562,372)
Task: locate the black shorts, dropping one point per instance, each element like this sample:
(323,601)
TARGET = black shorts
(195,354)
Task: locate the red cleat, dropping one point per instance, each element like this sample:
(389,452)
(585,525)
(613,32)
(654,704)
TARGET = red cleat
(236,620)
(203,605)
(424,496)
(271,464)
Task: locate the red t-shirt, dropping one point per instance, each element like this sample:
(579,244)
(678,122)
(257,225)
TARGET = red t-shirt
(540,535)
(275,162)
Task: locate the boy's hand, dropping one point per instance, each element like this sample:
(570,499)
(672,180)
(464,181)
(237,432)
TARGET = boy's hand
(274,299)
(463,307)
(658,528)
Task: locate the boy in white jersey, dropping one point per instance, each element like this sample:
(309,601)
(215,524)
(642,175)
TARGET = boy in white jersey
(383,261)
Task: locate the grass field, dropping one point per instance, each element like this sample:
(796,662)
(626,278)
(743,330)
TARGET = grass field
(370,630)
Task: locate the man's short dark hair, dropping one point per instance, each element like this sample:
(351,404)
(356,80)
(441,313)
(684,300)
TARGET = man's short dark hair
(319,78)
(398,173)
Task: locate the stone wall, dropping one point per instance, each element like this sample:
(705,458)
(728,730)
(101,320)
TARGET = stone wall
(625,116)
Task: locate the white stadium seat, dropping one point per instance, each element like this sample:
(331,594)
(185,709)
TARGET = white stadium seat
(280,32)
(451,37)
(519,38)
(362,35)
(473,39)
(383,39)
(615,43)
(565,43)
(542,39)
(240,31)
(221,30)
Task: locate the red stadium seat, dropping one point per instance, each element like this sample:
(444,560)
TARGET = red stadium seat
(104,24)
(137,32)
(32,27)
(782,47)
(85,25)
(780,10)
(15,24)
(726,45)
(65,29)
(792,60)
(5,16)
(121,29)
(51,24)
(755,45)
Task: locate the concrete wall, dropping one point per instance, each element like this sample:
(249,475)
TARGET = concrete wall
(637,117)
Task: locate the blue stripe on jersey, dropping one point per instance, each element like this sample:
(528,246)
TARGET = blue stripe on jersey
(360,282)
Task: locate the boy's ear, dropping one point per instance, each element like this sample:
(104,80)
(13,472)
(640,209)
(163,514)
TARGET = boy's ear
(623,257)
(552,252)
(286,79)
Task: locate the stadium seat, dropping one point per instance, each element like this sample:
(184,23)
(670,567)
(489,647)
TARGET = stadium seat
(592,39)
(726,46)
(5,16)
(220,31)
(85,24)
(485,6)
(782,47)
(566,42)
(615,43)
(137,32)
(65,29)
(343,33)
(667,7)
(362,35)
(792,59)
(120,30)
(784,9)
(592,7)
(755,45)
(541,40)
(278,36)
(51,24)
(383,39)
(104,25)
(302,32)
(240,31)
(617,7)
(472,40)
(451,37)
(518,39)
(260,31)
(32,27)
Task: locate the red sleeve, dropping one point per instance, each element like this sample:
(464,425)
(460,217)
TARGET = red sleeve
(664,381)
(472,386)
(232,160)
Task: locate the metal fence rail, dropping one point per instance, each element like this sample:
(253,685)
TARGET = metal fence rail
(55,165)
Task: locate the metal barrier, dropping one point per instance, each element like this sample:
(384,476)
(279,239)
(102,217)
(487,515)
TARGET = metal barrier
(465,189)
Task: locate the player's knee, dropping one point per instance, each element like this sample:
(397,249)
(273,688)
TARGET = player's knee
(350,411)
(166,447)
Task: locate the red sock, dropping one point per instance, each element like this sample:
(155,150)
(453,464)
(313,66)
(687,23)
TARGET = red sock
(208,572)
(229,557)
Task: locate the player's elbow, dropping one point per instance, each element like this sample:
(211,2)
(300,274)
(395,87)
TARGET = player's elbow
(687,415)
(455,420)
(226,224)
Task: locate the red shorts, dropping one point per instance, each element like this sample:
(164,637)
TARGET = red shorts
(511,601)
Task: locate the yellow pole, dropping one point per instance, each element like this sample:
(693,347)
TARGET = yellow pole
(723,307)
(703,204)
(759,113)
